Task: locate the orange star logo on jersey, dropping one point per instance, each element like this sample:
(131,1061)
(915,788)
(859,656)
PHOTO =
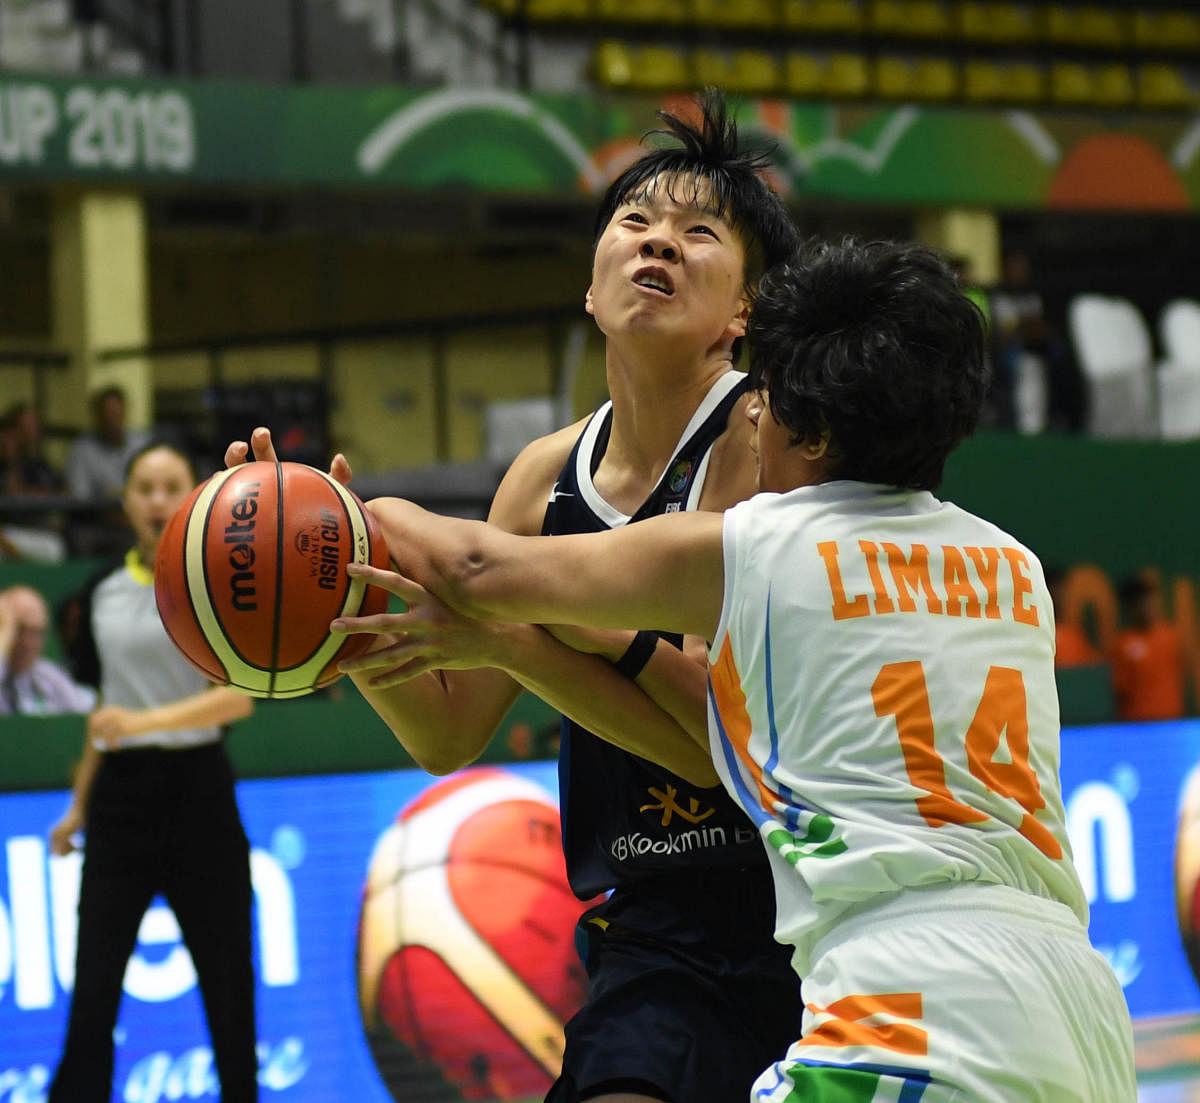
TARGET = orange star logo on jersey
(669,806)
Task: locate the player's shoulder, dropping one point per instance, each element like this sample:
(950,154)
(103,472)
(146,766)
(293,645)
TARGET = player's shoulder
(107,577)
(520,501)
(981,530)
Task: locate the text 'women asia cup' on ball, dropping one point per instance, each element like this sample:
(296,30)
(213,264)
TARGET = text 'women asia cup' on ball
(252,569)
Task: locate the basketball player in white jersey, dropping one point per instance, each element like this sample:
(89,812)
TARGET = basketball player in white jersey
(882,698)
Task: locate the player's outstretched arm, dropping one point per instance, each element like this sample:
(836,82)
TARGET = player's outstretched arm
(212,707)
(586,687)
(665,573)
(666,705)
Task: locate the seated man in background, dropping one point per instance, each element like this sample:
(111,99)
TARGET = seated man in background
(24,468)
(1038,383)
(30,683)
(25,472)
(95,471)
(97,458)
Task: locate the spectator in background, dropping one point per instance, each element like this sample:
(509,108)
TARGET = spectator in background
(1072,646)
(1148,670)
(27,533)
(23,467)
(31,684)
(97,459)
(1037,383)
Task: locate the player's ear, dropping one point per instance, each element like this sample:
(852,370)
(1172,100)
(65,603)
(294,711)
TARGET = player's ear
(737,324)
(817,447)
(588,304)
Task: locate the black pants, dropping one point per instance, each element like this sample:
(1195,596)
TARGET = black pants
(690,996)
(165,822)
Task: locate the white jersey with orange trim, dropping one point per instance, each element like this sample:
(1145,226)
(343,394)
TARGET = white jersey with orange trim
(883,702)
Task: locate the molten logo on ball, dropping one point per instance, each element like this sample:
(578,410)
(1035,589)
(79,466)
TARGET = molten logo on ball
(240,533)
(467,967)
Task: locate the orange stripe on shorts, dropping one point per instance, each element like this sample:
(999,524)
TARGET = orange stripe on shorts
(846,1025)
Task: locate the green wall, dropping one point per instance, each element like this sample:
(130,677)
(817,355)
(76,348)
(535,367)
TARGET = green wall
(1121,505)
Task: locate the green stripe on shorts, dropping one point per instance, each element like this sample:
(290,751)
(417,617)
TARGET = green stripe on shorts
(827,1084)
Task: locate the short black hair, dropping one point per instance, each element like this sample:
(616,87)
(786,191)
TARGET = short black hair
(12,413)
(112,390)
(874,343)
(708,155)
(154,445)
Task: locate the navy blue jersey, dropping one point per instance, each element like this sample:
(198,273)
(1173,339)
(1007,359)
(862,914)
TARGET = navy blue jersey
(624,818)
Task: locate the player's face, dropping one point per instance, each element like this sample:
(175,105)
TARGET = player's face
(768,438)
(781,465)
(158,484)
(669,270)
(29,612)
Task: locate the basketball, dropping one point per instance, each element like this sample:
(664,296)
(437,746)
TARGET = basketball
(1187,870)
(252,568)
(467,968)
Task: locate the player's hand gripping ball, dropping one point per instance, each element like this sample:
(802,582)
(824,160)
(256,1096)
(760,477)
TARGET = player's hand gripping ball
(252,568)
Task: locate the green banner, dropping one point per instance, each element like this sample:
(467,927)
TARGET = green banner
(505,141)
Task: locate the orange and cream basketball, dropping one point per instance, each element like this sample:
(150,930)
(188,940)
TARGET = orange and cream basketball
(252,569)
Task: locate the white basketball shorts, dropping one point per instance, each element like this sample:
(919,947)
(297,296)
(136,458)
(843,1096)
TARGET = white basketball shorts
(964,994)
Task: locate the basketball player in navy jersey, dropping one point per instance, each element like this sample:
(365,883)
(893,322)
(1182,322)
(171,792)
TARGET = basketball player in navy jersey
(690,995)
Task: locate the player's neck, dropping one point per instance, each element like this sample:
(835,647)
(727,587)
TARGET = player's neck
(650,412)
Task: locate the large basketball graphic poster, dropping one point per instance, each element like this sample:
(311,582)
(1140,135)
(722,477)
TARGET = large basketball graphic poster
(414,940)
(467,967)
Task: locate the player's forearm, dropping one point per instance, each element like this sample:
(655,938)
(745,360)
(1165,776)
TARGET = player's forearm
(482,569)
(211,708)
(676,682)
(443,718)
(679,686)
(664,573)
(85,774)
(590,691)
(474,566)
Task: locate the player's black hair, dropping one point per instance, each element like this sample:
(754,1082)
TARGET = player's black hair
(875,343)
(154,446)
(112,390)
(708,159)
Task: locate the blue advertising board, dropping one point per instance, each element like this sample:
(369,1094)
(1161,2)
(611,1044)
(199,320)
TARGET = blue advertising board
(315,843)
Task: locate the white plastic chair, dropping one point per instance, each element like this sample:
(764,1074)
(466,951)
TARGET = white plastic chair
(1112,344)
(1179,373)
(509,425)
(1179,331)
(1031,394)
